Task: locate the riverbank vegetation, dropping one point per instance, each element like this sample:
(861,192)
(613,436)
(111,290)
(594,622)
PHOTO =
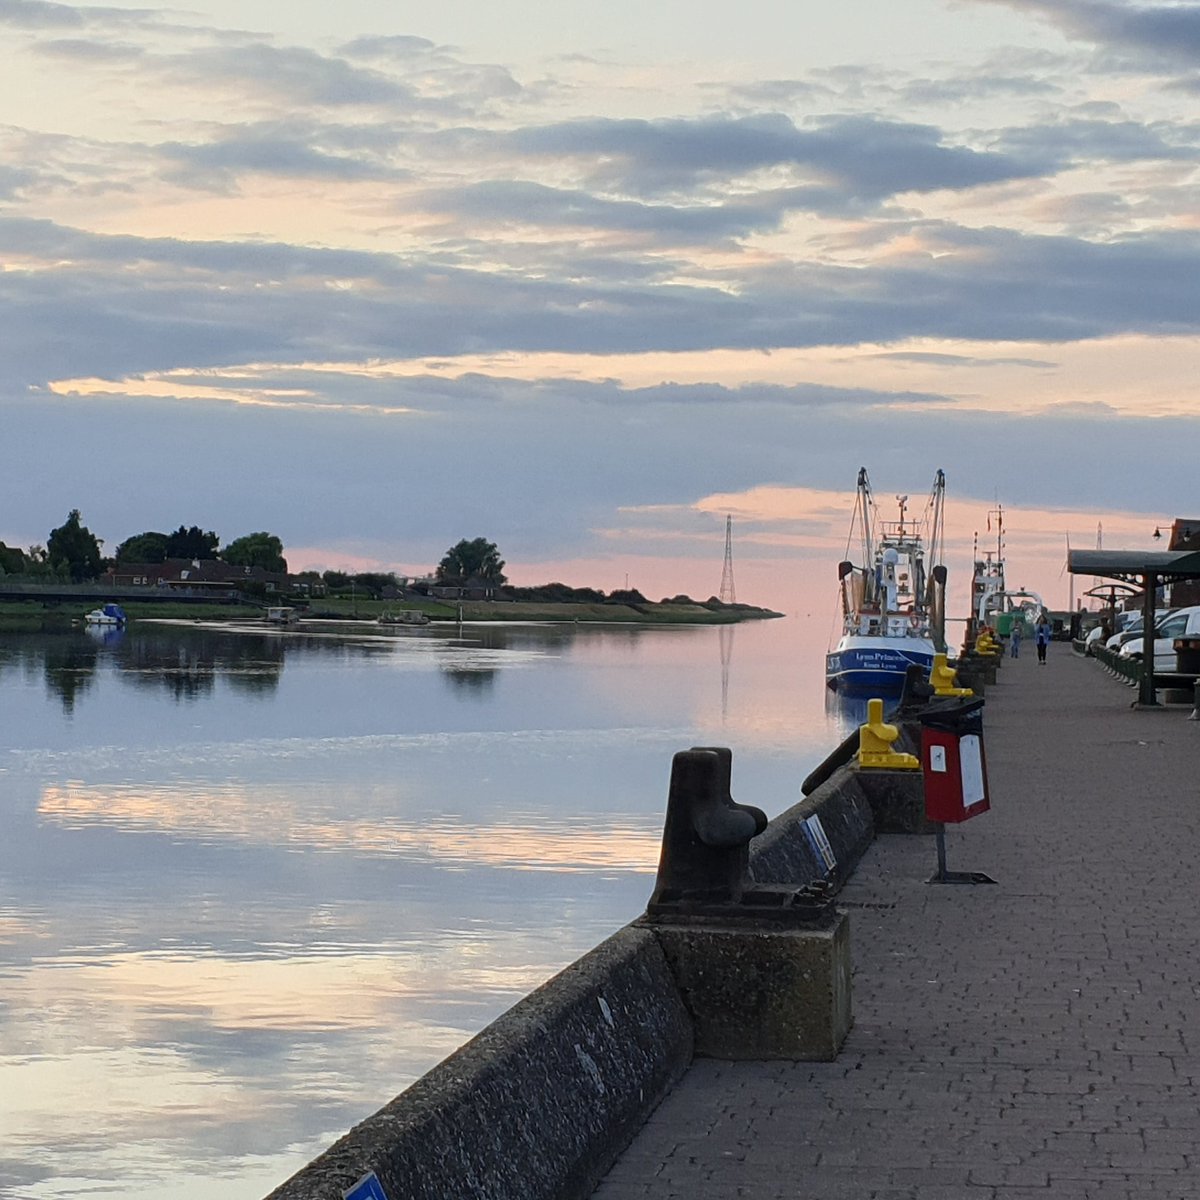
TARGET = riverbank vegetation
(153,573)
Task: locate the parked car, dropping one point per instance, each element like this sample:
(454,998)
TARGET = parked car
(1131,627)
(1182,622)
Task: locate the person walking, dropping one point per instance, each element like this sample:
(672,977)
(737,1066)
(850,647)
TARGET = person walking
(1014,640)
(1041,637)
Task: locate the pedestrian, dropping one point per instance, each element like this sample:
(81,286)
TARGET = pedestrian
(1041,636)
(1014,640)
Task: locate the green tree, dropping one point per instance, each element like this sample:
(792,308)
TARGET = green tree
(148,547)
(192,543)
(256,550)
(12,560)
(74,548)
(476,558)
(375,581)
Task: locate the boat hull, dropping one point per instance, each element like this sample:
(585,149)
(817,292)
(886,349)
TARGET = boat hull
(876,665)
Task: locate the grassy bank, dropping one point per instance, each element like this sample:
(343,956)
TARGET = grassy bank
(33,615)
(520,610)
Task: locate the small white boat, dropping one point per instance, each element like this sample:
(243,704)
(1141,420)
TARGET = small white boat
(281,614)
(893,605)
(406,616)
(108,614)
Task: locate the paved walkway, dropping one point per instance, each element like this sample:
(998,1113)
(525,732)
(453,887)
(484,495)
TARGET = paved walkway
(1036,1039)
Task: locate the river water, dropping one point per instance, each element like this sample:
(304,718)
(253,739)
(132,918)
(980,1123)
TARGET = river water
(253,883)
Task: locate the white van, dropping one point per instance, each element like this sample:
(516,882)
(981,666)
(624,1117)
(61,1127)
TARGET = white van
(1182,622)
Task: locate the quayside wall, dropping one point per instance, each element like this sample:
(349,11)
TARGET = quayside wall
(540,1104)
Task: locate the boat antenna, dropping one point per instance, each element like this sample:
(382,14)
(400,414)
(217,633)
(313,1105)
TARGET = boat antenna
(932,519)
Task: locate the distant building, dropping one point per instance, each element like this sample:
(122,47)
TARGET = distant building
(209,575)
(474,588)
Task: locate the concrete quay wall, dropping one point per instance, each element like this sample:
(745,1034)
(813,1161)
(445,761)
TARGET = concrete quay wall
(542,1102)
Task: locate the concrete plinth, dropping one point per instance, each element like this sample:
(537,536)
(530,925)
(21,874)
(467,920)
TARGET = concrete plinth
(897,798)
(983,668)
(760,992)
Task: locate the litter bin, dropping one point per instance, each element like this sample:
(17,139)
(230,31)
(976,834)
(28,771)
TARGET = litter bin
(953,762)
(954,771)
(1187,655)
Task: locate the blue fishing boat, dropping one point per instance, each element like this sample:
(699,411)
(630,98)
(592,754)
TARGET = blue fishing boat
(892,600)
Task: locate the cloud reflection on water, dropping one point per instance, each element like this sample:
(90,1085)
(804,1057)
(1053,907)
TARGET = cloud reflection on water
(281,817)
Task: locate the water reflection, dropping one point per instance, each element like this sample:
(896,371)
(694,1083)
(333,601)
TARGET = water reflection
(296,817)
(69,666)
(849,712)
(471,680)
(256,883)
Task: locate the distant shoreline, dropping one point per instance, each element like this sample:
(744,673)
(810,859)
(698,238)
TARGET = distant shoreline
(33,614)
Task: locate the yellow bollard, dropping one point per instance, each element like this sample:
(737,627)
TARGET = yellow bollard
(875,743)
(945,679)
(986,644)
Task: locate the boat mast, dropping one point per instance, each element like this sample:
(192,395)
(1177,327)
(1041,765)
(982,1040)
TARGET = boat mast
(865,505)
(937,530)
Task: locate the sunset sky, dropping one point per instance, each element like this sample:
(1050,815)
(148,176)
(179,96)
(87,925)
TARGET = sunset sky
(584,279)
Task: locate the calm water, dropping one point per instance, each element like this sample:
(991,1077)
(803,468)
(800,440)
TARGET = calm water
(253,883)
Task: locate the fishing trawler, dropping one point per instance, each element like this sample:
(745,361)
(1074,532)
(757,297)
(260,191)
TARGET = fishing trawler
(992,603)
(893,601)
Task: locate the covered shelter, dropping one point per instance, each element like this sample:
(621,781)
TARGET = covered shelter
(1148,569)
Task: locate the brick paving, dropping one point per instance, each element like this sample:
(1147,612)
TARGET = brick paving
(1040,1038)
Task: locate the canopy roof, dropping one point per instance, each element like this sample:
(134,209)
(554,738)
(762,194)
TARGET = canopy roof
(1135,564)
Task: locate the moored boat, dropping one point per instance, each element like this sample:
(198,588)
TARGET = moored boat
(992,603)
(406,616)
(106,614)
(893,600)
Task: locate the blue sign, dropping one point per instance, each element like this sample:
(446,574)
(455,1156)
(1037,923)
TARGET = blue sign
(367,1188)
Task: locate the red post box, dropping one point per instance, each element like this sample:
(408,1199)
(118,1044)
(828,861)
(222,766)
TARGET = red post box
(953,763)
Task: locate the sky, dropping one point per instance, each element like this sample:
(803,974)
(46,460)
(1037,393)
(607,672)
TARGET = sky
(587,279)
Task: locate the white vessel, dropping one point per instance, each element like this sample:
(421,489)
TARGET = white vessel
(992,603)
(893,600)
(108,614)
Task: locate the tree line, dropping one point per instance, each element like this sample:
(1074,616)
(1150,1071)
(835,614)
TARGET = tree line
(72,552)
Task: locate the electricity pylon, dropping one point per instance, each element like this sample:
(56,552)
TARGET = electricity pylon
(728,593)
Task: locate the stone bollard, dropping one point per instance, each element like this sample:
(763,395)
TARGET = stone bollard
(1194,715)
(764,971)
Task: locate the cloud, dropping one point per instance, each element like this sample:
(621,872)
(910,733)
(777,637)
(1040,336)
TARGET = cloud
(177,303)
(289,72)
(524,203)
(42,15)
(14,180)
(389,48)
(39,14)
(964,360)
(1156,35)
(859,156)
(90,52)
(286,149)
(1076,139)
